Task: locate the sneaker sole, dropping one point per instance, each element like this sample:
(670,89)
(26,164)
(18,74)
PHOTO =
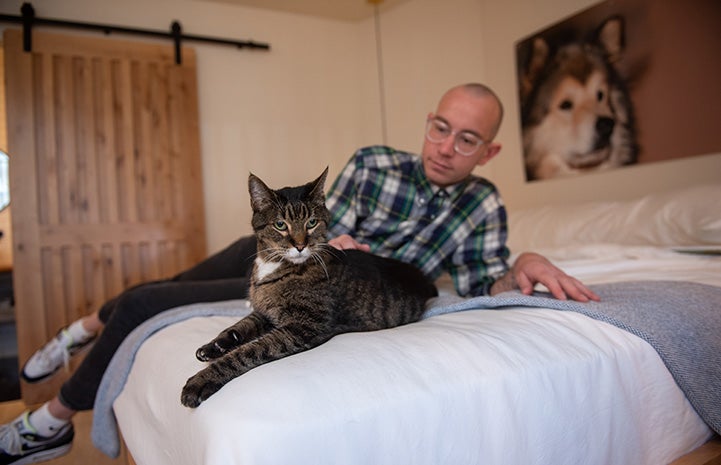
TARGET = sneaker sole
(45,455)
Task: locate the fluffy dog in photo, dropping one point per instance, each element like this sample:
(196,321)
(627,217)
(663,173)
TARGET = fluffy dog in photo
(576,113)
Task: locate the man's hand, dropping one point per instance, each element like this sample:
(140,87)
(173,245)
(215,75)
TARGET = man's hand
(345,242)
(532,268)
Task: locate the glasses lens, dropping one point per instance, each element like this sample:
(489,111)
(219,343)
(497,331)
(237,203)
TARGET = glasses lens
(467,143)
(437,130)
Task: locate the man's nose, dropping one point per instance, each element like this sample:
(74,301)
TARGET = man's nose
(447,146)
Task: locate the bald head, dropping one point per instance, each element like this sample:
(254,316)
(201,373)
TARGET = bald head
(482,93)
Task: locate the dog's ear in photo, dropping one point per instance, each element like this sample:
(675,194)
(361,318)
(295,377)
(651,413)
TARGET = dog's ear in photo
(611,37)
(533,67)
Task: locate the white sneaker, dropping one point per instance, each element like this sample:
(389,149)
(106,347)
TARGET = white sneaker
(20,444)
(54,354)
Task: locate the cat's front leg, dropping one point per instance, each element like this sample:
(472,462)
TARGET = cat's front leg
(200,386)
(245,330)
(271,346)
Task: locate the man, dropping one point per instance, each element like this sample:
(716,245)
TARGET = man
(429,211)
(464,229)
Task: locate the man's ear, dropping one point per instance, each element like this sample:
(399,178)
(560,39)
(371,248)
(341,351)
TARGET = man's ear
(493,149)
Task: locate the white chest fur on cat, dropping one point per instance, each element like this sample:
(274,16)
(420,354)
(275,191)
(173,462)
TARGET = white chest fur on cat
(265,268)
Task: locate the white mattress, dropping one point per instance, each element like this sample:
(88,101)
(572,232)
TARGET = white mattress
(477,387)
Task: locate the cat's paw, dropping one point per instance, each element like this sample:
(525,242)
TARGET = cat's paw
(219,346)
(197,390)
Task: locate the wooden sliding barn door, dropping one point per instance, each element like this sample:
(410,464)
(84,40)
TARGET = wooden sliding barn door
(105,176)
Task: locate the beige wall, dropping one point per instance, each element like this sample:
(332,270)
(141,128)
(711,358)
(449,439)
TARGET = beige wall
(313,99)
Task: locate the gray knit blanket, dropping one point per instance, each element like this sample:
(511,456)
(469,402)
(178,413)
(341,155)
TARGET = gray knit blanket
(681,320)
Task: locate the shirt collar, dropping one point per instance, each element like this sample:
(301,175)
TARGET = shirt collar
(430,189)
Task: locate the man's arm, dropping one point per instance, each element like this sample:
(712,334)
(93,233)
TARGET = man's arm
(532,268)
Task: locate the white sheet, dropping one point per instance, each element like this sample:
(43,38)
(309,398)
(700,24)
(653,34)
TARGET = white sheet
(495,387)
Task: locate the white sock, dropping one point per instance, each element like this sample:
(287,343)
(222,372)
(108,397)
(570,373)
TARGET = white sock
(44,422)
(78,332)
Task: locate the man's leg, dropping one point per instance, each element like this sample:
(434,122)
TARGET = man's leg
(133,308)
(235,261)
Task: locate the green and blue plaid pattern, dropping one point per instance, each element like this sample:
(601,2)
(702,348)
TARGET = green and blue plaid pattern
(383,198)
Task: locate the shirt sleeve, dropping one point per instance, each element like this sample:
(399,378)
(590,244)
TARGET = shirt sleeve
(341,201)
(482,257)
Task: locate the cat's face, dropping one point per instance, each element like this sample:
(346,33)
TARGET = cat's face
(290,223)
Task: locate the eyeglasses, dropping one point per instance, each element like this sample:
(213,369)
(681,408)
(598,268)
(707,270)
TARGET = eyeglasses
(465,142)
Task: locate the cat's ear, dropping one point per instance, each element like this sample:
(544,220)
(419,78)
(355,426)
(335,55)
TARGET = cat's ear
(316,187)
(261,196)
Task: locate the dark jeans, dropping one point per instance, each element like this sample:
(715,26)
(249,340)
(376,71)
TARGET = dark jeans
(223,276)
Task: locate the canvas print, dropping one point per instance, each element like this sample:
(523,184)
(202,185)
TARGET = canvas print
(622,83)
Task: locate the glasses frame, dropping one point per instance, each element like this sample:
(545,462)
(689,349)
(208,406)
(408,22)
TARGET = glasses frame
(453,133)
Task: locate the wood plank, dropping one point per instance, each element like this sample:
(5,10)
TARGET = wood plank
(49,191)
(54,291)
(142,178)
(111,259)
(105,141)
(161,144)
(65,132)
(31,328)
(123,95)
(88,176)
(130,265)
(94,288)
(74,282)
(193,209)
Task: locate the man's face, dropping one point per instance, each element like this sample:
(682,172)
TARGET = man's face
(461,111)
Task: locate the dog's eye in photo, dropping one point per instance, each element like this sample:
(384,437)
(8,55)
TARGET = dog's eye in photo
(566,105)
(600,95)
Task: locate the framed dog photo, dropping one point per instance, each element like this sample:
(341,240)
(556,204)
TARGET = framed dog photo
(624,82)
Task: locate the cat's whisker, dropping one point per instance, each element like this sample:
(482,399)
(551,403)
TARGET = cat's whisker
(332,250)
(273,254)
(319,260)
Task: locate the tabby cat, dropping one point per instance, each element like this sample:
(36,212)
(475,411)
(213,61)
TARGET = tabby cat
(304,291)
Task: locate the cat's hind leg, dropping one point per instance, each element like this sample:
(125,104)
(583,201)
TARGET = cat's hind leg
(245,330)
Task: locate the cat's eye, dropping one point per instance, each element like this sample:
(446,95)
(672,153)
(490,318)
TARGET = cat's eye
(280,225)
(312,223)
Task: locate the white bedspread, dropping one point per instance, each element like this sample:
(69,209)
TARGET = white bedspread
(517,386)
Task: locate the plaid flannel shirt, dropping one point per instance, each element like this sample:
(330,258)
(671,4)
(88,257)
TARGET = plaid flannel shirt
(383,198)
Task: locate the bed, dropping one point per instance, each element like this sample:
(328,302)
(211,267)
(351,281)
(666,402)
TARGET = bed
(503,380)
